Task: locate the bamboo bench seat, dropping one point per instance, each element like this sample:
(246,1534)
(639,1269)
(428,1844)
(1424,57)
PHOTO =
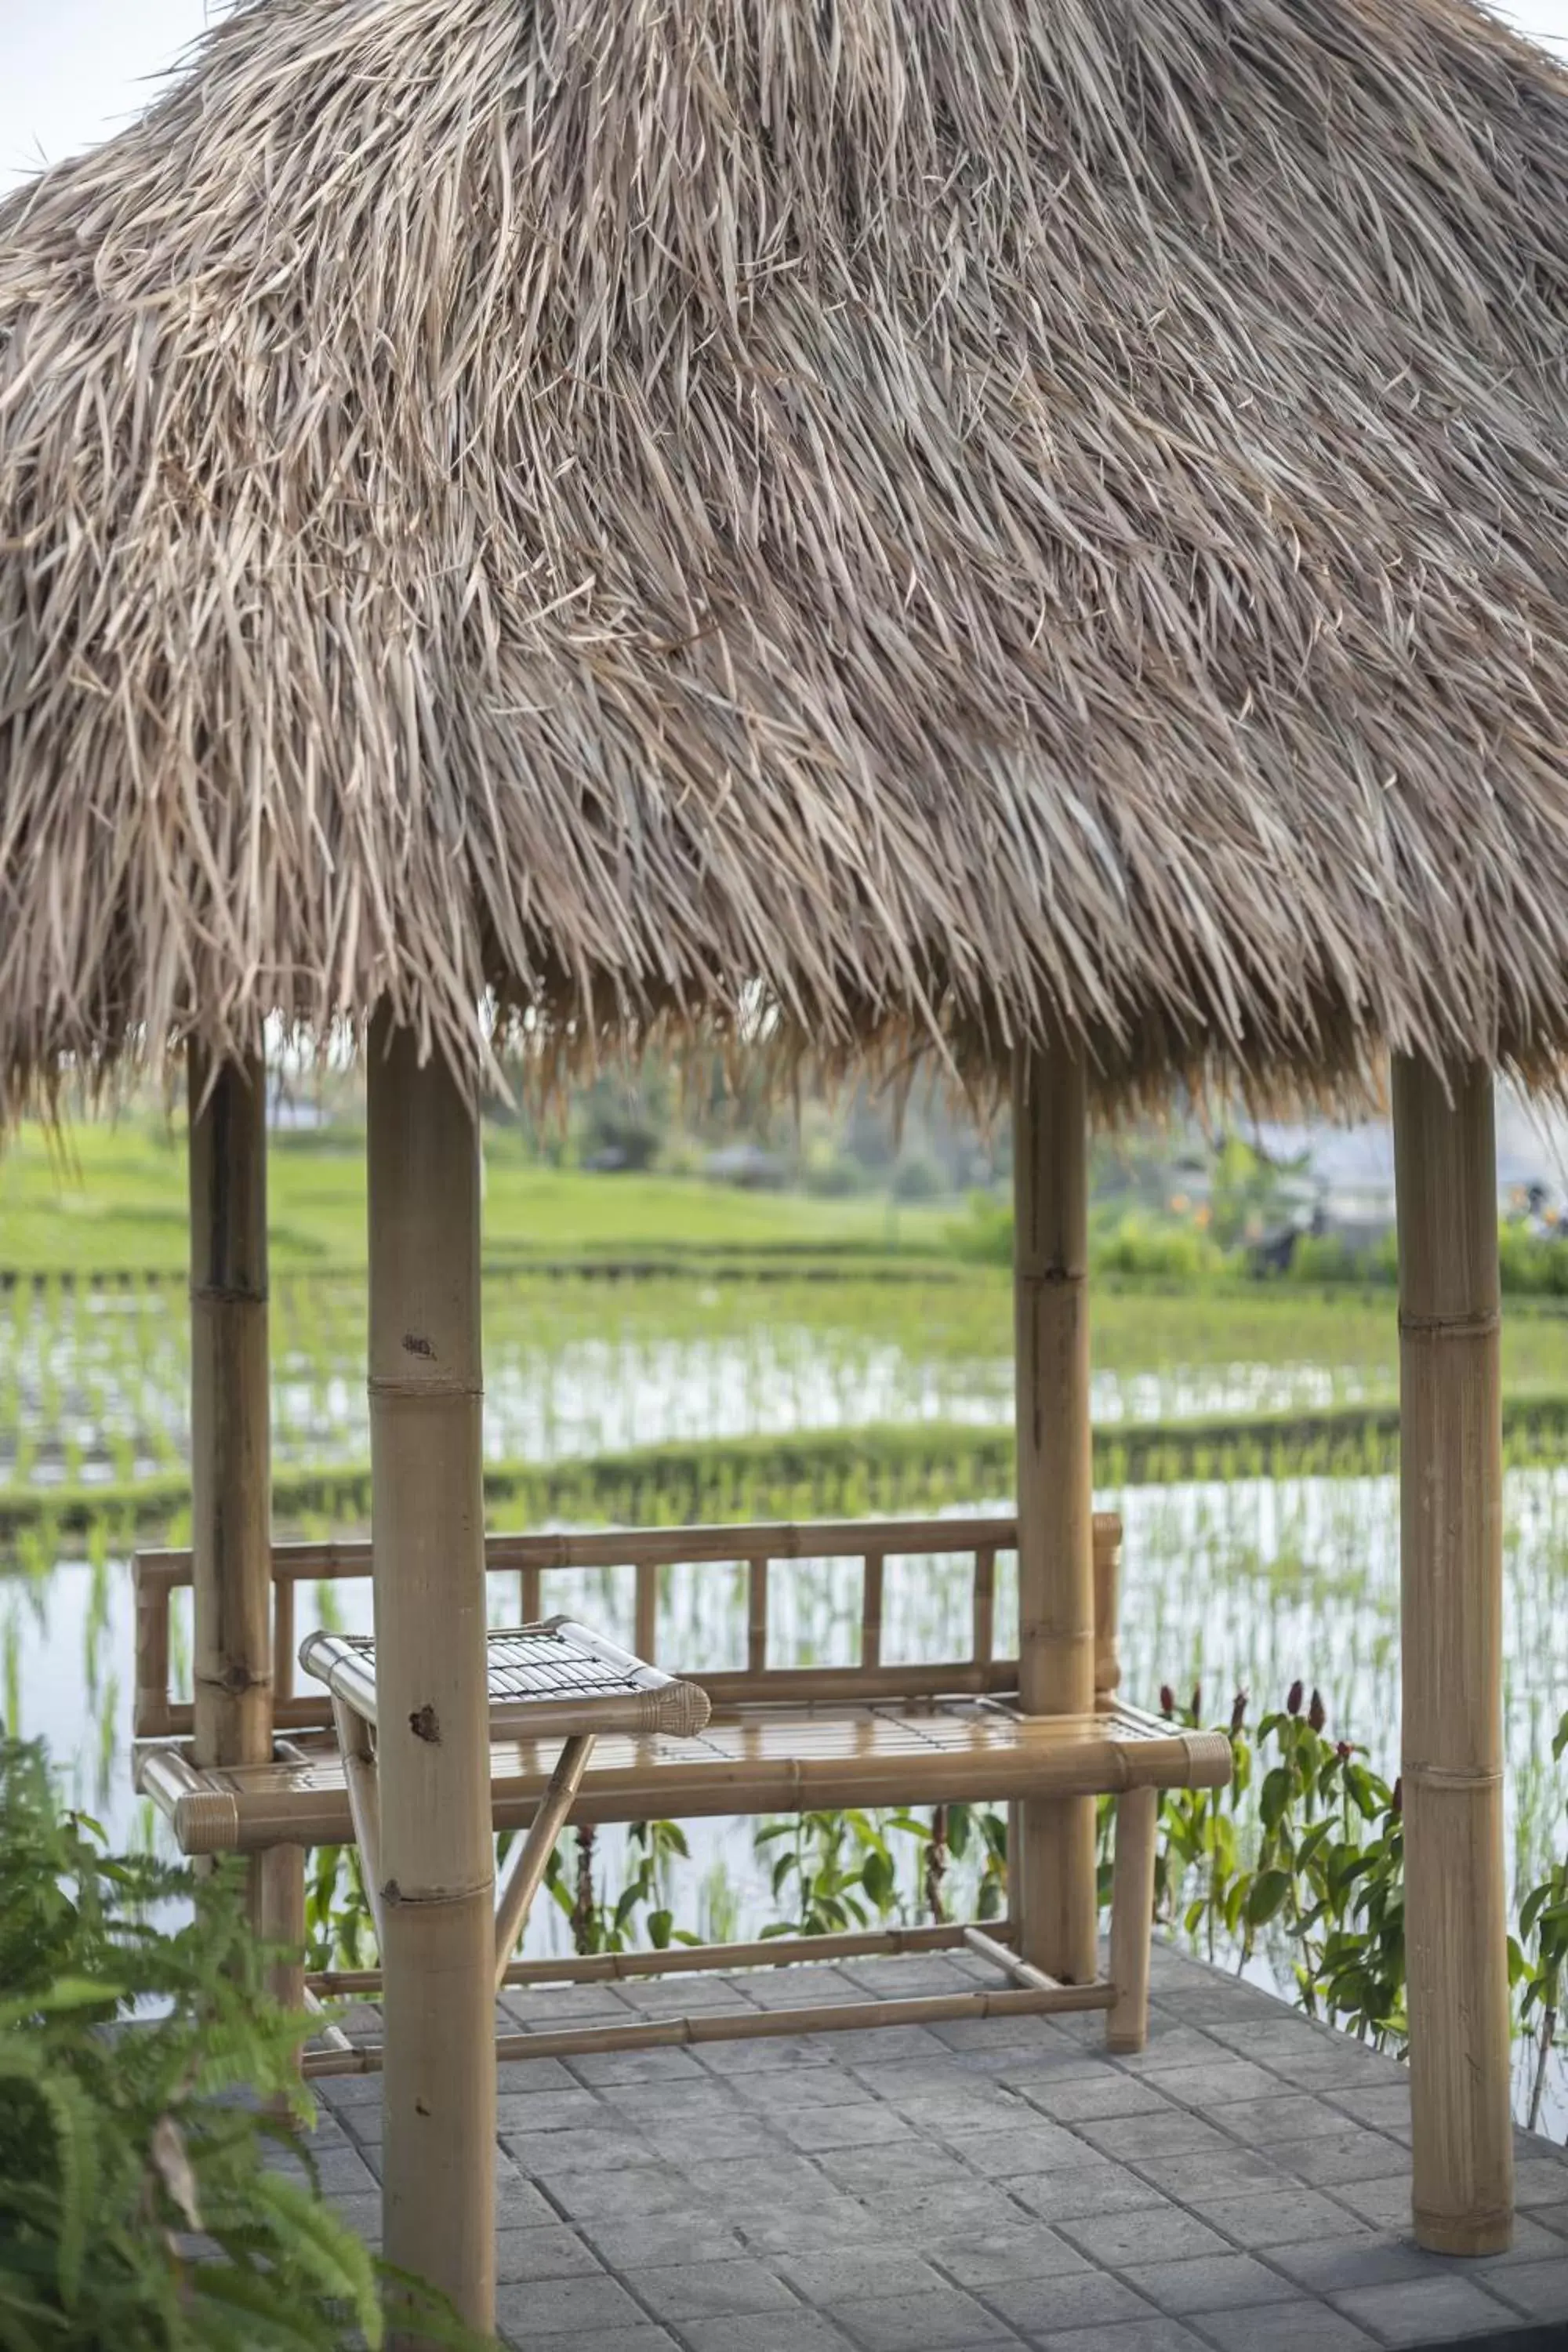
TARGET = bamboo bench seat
(778,1758)
(776,1740)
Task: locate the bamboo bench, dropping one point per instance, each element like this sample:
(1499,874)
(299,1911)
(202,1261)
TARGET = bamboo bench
(778,1740)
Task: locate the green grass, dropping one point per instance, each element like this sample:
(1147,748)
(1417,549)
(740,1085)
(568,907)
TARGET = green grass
(111,1196)
(816,1474)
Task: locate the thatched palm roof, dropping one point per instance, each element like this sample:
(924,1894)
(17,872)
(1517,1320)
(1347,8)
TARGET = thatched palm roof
(983,511)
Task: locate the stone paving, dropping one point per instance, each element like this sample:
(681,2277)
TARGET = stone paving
(1242,2185)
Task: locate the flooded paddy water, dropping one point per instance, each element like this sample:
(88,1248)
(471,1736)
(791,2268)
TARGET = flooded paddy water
(1245,1585)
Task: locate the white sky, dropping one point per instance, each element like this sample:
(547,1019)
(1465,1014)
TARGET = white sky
(71,71)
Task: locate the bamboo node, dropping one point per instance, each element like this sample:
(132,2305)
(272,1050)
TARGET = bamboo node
(1452,1776)
(235,1679)
(1476,1325)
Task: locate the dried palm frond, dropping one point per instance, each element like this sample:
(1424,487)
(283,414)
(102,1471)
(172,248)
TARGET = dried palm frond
(847,521)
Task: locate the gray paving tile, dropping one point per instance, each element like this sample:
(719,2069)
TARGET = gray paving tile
(1174,2133)
(1334,2265)
(622,2105)
(758,2181)
(882,2045)
(1385,2204)
(685,1995)
(550,2253)
(1423,2311)
(1333,2158)
(737,2138)
(659,2240)
(1152,2335)
(798,2086)
(647,2338)
(597,2068)
(912,2161)
(1173,2045)
(1298,2325)
(789,2228)
(945,2320)
(1280,2217)
(1209,2171)
(910,1975)
(543,2154)
(972,2107)
(1385,2106)
(849,2273)
(696,2290)
(342,2091)
(1532,2243)
(1208,2282)
(991,2258)
(1540,2289)
(1227,2082)
(542,2111)
(765,2331)
(519,2204)
(563,2306)
(1160,2232)
(632,2195)
(761,2057)
(532,2008)
(917,2208)
(1021,2069)
(860,2124)
(1044,2307)
(362,2216)
(796,1987)
(342,2172)
(1289,2114)
(989,2033)
(1311,2056)
(1553,2218)
(366,2124)
(1037,2147)
(1539,2180)
(1080,2099)
(1058,2196)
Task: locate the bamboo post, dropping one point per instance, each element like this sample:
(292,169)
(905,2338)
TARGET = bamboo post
(1456,1918)
(231,1469)
(1056,1905)
(873,1573)
(757,1617)
(433,1744)
(231,1529)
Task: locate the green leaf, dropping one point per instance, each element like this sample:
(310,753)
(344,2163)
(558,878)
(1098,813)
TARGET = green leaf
(1266,1896)
(325,2248)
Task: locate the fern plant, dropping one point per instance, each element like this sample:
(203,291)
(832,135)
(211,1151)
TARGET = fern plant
(136,2212)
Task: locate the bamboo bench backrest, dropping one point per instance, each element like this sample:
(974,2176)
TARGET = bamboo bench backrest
(159,1574)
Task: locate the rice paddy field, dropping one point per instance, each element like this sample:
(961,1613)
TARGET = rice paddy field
(841,1368)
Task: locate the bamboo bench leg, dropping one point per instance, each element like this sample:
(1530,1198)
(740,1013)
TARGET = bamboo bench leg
(523,1881)
(364,1802)
(1131,1918)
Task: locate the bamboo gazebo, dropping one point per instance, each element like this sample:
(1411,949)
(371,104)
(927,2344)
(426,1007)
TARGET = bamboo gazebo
(1029,534)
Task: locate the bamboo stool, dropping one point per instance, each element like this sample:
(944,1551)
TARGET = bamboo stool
(555,1680)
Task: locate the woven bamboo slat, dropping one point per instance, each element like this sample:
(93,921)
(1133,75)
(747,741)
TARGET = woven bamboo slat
(780,1762)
